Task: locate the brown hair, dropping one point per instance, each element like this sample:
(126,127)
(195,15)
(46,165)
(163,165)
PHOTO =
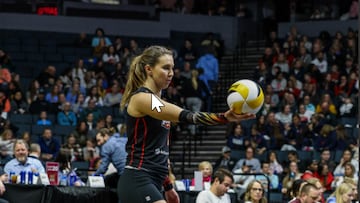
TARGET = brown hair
(137,74)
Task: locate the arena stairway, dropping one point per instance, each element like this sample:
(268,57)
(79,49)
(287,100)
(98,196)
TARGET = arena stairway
(188,151)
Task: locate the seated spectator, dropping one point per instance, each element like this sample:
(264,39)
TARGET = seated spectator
(346,157)
(35,151)
(225,160)
(82,40)
(292,175)
(72,149)
(90,151)
(53,97)
(50,147)
(99,34)
(7,145)
(100,49)
(113,98)
(109,124)
(326,98)
(305,114)
(274,130)
(296,135)
(206,168)
(274,179)
(257,141)
(255,192)
(94,95)
(73,93)
(249,160)
(237,139)
(67,117)
(18,104)
(188,53)
(79,104)
(65,170)
(81,132)
(43,120)
(32,91)
(275,166)
(110,57)
(95,129)
(40,104)
(311,170)
(5,106)
(325,139)
(26,137)
(211,42)
(22,162)
(222,181)
(325,177)
(344,194)
(294,157)
(47,77)
(325,158)
(91,108)
(285,115)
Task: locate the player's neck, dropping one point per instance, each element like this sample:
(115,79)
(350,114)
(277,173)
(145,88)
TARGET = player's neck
(151,86)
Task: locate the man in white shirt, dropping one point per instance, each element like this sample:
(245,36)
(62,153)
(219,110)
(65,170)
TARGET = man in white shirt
(220,183)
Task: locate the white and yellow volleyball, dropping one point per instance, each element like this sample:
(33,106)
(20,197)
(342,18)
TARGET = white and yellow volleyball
(245,96)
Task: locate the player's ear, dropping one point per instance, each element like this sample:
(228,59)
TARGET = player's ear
(148,70)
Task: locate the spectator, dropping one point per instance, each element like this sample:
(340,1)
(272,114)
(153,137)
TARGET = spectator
(82,40)
(32,92)
(325,177)
(309,193)
(93,131)
(207,170)
(81,132)
(90,151)
(65,170)
(110,124)
(220,184)
(66,117)
(293,156)
(22,162)
(326,138)
(295,190)
(288,180)
(6,145)
(91,108)
(311,170)
(73,93)
(40,104)
(274,179)
(255,192)
(237,139)
(326,160)
(72,149)
(47,77)
(113,98)
(225,160)
(346,157)
(18,104)
(50,147)
(100,34)
(95,96)
(211,43)
(257,141)
(304,114)
(43,119)
(5,106)
(249,160)
(110,57)
(100,49)
(320,63)
(343,194)
(285,115)
(188,53)
(275,131)
(112,151)
(35,151)
(5,60)
(79,104)
(275,166)
(26,137)
(279,82)
(78,73)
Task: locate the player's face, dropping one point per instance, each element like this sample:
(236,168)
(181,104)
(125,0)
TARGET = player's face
(163,72)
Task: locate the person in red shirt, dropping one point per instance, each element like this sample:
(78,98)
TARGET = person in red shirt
(325,176)
(311,171)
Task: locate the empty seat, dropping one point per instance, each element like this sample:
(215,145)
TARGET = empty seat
(237,154)
(63,130)
(22,128)
(305,155)
(70,58)
(53,58)
(30,48)
(20,118)
(66,50)
(17,56)
(107,111)
(35,57)
(48,49)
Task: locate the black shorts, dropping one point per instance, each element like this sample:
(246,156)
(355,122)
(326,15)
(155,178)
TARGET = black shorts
(136,186)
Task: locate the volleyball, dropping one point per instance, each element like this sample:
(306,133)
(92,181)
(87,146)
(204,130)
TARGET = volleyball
(245,96)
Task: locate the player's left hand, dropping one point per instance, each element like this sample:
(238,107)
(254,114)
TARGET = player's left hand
(172,196)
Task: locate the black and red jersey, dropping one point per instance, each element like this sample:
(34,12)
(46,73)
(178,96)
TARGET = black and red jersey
(147,145)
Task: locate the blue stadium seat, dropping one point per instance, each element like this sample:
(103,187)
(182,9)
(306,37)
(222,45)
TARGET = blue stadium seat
(237,154)
(22,128)
(20,118)
(53,58)
(63,130)
(38,130)
(47,49)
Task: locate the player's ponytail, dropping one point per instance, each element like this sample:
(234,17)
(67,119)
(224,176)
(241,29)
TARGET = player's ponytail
(137,74)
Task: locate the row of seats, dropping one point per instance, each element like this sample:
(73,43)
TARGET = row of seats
(282,156)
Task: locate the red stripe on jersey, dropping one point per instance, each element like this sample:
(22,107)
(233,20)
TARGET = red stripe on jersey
(144,143)
(134,142)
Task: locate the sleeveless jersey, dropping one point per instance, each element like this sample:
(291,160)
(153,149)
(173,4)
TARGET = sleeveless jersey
(147,145)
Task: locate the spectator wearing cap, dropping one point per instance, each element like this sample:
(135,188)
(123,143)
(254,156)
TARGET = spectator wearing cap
(225,160)
(40,104)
